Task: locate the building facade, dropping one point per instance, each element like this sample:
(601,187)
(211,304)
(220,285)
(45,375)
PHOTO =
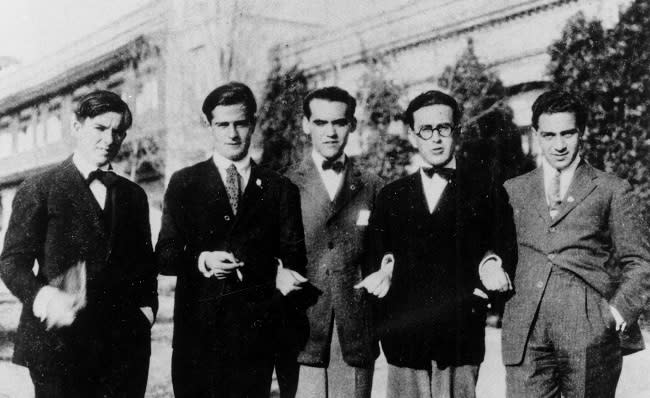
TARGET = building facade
(165,57)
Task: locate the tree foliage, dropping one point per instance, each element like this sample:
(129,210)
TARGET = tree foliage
(489,137)
(280,116)
(609,69)
(385,154)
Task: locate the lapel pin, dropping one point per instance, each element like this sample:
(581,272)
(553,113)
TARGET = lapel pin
(258,182)
(353,187)
(570,199)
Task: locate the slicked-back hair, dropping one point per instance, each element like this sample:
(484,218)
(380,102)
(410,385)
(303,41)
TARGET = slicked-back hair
(332,94)
(559,101)
(100,102)
(232,93)
(429,98)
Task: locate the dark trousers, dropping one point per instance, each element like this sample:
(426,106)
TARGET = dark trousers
(573,350)
(124,379)
(190,379)
(287,370)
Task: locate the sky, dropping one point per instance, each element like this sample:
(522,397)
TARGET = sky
(31,29)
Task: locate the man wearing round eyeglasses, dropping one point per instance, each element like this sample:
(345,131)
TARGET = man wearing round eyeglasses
(431,233)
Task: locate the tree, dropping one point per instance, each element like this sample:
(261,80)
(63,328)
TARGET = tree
(385,154)
(489,138)
(280,116)
(609,70)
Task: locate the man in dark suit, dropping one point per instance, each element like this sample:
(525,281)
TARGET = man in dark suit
(87,310)
(226,222)
(337,198)
(583,275)
(437,233)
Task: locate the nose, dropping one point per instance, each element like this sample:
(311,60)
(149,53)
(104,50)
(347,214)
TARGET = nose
(330,131)
(108,136)
(232,131)
(559,143)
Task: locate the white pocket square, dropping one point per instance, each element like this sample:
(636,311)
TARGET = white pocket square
(364,216)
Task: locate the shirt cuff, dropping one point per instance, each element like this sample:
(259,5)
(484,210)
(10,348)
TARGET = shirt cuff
(43,297)
(487,261)
(387,266)
(620,322)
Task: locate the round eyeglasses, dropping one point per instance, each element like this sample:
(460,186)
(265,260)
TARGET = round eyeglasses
(427,130)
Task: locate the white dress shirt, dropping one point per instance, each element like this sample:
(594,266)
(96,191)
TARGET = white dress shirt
(243,167)
(434,187)
(96,187)
(331,179)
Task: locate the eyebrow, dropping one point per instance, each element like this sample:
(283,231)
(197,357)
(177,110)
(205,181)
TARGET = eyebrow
(341,120)
(573,130)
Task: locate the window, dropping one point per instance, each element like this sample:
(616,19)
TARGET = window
(40,132)
(6,141)
(25,140)
(147,97)
(53,128)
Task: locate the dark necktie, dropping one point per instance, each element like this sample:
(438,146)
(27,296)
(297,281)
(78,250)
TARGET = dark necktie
(105,177)
(336,166)
(444,172)
(233,187)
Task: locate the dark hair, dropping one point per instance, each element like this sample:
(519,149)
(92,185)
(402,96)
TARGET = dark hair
(100,102)
(428,98)
(332,94)
(558,101)
(232,93)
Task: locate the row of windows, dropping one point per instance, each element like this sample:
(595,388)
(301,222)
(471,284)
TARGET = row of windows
(30,136)
(49,130)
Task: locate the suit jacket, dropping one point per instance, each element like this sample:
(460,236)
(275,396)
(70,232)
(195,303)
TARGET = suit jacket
(597,235)
(430,312)
(336,240)
(56,221)
(227,320)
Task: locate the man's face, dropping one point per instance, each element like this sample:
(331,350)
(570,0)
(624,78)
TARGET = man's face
(437,150)
(328,126)
(99,138)
(232,131)
(559,138)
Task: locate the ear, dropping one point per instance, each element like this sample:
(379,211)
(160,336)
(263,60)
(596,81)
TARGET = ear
(75,126)
(353,124)
(204,121)
(412,138)
(306,126)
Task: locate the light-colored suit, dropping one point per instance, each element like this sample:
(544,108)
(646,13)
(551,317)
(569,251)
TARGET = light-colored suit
(598,239)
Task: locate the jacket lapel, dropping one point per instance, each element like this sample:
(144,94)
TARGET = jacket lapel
(80,196)
(351,185)
(581,186)
(215,190)
(536,197)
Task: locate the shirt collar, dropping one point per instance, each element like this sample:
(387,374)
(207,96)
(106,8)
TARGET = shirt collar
(85,167)
(319,159)
(450,165)
(243,165)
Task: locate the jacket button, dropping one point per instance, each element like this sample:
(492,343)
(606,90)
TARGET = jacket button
(551,256)
(539,284)
(330,245)
(226,217)
(552,229)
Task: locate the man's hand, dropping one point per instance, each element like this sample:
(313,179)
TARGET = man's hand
(287,281)
(219,264)
(492,275)
(61,309)
(378,283)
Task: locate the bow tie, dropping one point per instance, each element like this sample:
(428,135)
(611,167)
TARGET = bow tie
(105,177)
(444,172)
(336,166)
